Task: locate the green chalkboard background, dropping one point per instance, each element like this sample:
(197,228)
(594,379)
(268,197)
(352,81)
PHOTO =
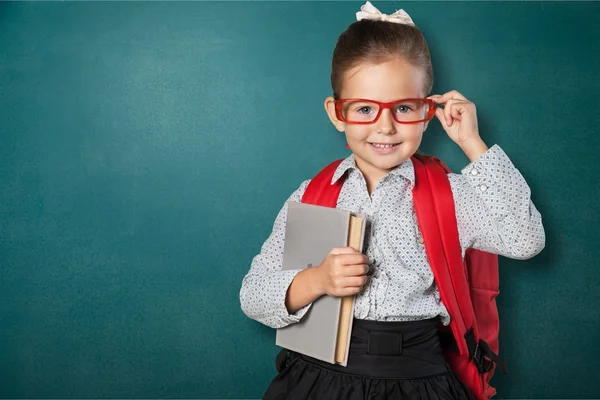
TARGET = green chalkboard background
(146,147)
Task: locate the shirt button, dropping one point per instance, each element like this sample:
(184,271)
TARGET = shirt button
(474,171)
(483,187)
(421,241)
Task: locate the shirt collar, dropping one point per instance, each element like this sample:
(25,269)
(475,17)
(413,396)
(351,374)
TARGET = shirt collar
(406,170)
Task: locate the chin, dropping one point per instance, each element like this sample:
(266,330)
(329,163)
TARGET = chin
(388,164)
(392,163)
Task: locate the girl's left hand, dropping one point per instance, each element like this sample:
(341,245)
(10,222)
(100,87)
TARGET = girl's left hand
(458,118)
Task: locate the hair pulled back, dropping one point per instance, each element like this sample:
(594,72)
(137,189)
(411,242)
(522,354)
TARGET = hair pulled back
(374,42)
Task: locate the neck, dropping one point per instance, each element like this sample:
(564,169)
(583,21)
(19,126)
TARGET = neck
(371,174)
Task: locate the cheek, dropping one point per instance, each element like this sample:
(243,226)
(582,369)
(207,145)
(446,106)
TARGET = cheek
(357,132)
(414,132)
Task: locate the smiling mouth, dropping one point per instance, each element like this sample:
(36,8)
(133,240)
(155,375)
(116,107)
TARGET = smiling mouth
(384,145)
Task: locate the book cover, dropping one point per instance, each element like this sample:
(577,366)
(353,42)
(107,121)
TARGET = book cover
(311,233)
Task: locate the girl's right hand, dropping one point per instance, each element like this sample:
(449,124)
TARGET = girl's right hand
(343,272)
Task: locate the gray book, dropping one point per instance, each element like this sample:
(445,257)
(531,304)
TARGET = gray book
(311,233)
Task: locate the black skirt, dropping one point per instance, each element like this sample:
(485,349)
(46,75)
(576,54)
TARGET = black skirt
(387,361)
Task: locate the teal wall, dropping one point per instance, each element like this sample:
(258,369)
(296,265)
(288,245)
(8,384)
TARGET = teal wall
(146,147)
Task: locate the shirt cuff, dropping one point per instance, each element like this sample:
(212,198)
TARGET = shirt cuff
(483,173)
(285,317)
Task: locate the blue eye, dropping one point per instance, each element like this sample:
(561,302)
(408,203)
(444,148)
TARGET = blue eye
(360,110)
(403,109)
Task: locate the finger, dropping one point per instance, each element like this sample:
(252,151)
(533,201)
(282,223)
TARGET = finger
(439,113)
(356,270)
(352,259)
(442,99)
(355,281)
(350,291)
(343,250)
(453,94)
(457,110)
(454,108)
(448,113)
(437,98)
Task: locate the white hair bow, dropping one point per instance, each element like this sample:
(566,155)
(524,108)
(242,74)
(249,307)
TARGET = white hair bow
(369,11)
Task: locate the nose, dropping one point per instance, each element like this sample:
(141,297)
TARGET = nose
(385,124)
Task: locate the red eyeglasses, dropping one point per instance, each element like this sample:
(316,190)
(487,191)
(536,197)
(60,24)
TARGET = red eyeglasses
(404,111)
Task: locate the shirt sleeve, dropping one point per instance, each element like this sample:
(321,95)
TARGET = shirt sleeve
(265,286)
(494,210)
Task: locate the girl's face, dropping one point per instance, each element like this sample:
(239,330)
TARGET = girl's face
(391,80)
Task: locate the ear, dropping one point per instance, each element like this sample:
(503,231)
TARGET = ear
(330,109)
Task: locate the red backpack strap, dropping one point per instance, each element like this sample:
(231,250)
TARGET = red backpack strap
(462,279)
(443,200)
(438,239)
(320,191)
(440,233)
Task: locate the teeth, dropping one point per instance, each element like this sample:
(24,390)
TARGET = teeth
(382,146)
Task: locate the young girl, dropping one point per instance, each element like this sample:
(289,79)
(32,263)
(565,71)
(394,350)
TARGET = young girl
(383,60)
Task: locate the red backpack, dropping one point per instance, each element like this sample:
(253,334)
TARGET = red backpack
(467,288)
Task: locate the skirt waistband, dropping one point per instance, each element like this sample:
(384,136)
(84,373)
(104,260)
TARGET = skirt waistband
(395,350)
